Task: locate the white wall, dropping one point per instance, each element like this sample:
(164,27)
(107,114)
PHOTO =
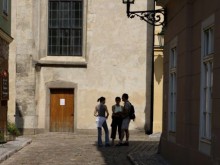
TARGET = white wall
(115,53)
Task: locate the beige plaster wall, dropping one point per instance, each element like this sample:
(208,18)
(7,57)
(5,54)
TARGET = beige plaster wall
(114,59)
(158,82)
(12,68)
(158,91)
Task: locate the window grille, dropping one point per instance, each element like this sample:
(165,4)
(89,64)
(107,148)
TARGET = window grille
(65,28)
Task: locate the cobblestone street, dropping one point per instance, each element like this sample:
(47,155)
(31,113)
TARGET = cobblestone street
(80,149)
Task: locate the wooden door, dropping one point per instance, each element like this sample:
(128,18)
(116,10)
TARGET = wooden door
(61,110)
(3,116)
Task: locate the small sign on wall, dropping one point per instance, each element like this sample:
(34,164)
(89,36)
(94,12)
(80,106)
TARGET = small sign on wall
(4,87)
(62,101)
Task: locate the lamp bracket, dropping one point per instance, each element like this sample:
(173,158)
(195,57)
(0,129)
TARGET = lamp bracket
(153,17)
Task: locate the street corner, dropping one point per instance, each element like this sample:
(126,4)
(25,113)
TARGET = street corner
(11,147)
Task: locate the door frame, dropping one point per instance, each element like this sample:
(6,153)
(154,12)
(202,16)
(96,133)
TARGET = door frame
(58,85)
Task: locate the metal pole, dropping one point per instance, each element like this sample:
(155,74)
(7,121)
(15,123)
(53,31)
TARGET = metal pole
(150,76)
(128,9)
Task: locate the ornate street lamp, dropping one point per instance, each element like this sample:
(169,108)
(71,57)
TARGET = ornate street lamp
(153,17)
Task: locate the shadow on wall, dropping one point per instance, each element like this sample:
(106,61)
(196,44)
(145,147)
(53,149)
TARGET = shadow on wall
(158,68)
(19,118)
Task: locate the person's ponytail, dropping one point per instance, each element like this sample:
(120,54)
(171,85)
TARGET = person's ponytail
(101,99)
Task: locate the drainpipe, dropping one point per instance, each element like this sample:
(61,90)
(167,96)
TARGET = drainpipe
(150,75)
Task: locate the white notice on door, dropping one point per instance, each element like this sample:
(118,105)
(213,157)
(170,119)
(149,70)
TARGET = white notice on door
(62,101)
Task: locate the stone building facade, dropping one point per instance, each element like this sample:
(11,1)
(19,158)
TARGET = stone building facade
(191,132)
(53,90)
(5,40)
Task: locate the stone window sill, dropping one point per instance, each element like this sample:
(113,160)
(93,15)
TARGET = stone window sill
(65,61)
(206,141)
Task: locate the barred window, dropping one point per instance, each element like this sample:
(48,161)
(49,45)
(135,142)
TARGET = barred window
(65,27)
(207,82)
(172,89)
(5,7)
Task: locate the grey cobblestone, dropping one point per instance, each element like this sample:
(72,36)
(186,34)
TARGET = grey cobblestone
(80,149)
(8,149)
(144,158)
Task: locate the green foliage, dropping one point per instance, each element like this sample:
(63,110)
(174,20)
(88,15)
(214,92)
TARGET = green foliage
(12,129)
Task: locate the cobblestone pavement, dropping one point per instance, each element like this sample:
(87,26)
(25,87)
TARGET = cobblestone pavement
(80,149)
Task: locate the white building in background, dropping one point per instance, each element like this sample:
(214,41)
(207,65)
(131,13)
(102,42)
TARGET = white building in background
(66,54)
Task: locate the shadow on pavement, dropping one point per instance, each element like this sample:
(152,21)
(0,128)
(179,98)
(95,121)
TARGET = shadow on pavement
(127,154)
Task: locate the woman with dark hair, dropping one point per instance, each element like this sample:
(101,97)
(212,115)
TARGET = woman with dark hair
(101,112)
(116,119)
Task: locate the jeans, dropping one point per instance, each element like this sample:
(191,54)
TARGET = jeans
(105,126)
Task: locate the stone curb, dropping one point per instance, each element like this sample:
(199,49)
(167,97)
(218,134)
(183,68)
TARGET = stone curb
(9,148)
(132,159)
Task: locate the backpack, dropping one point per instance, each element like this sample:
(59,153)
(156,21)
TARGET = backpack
(132,113)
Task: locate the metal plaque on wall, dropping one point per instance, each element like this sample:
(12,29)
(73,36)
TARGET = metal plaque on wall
(4,91)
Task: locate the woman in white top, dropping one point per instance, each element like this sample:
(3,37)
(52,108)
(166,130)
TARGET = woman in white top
(101,113)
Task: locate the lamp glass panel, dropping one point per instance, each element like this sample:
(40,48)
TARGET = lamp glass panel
(161,40)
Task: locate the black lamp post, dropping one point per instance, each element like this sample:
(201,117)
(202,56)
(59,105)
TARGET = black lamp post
(153,17)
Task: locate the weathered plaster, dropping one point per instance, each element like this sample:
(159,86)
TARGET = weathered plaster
(114,53)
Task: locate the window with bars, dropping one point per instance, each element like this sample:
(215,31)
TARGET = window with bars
(5,7)
(207,81)
(172,90)
(65,27)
